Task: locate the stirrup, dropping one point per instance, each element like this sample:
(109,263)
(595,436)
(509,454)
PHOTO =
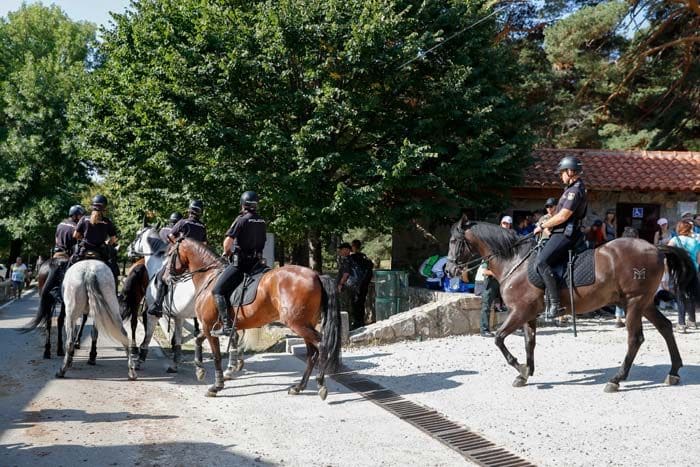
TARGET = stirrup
(555,310)
(224,330)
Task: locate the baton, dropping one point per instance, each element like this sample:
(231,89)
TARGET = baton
(571,290)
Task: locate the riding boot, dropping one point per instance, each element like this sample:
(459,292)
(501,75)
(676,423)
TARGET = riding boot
(226,324)
(553,308)
(156,308)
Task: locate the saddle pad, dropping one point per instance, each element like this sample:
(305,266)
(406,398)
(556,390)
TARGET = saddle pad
(249,287)
(584,271)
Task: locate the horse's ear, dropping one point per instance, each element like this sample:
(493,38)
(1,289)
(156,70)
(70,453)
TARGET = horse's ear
(464,221)
(157,226)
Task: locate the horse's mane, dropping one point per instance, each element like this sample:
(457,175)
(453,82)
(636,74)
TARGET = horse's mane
(503,243)
(202,250)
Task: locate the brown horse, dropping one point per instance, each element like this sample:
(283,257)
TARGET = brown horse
(294,295)
(131,297)
(627,273)
(47,302)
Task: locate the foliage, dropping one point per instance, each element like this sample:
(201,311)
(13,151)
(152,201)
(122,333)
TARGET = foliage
(42,62)
(307,102)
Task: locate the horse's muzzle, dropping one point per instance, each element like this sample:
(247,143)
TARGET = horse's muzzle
(452,269)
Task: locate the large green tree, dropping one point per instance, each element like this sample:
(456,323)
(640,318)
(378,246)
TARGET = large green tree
(310,102)
(43,60)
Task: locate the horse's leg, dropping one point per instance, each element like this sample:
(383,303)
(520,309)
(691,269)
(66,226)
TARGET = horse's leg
(312,339)
(514,321)
(60,326)
(197,331)
(68,358)
(218,371)
(635,337)
(92,359)
(235,363)
(134,325)
(80,332)
(176,344)
(199,370)
(149,325)
(529,330)
(665,328)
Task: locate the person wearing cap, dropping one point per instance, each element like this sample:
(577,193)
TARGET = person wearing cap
(344,250)
(507,222)
(550,206)
(565,228)
(663,233)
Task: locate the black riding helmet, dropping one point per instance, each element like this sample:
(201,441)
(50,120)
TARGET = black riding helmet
(76,210)
(175,217)
(570,163)
(196,207)
(99,202)
(249,200)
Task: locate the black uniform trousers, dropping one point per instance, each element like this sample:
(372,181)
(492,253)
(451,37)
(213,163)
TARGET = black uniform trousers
(555,251)
(232,276)
(54,279)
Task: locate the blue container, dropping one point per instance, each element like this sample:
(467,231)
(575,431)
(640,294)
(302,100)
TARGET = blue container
(455,284)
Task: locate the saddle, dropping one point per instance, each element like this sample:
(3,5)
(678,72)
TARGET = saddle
(248,288)
(583,268)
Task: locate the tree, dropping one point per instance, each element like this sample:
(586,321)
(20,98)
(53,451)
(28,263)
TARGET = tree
(312,103)
(43,58)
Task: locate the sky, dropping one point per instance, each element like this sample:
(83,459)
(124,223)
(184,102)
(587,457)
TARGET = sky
(95,11)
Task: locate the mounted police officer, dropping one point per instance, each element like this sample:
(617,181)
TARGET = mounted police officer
(63,248)
(244,242)
(191,227)
(97,234)
(174,218)
(565,228)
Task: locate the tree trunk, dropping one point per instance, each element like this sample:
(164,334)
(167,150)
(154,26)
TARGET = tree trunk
(280,252)
(316,252)
(300,254)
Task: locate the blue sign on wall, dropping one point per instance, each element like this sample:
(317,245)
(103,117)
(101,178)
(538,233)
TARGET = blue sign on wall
(637,213)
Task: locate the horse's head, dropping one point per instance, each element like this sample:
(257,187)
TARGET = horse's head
(147,242)
(460,252)
(178,258)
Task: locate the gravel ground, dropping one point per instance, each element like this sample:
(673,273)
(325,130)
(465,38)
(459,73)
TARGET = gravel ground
(562,417)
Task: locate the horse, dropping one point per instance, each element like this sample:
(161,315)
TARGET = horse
(178,304)
(131,298)
(294,295)
(47,303)
(627,273)
(88,286)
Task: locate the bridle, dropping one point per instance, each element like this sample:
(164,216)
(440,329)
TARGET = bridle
(469,265)
(187,274)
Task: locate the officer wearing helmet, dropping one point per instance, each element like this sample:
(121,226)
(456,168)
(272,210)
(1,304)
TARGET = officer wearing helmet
(191,227)
(97,234)
(564,227)
(63,248)
(174,218)
(244,242)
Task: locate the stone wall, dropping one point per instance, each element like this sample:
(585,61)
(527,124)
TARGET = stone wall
(5,290)
(445,314)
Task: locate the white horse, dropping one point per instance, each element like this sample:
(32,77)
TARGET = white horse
(178,302)
(88,286)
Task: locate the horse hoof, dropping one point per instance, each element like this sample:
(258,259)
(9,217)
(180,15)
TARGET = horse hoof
(132,374)
(210,393)
(200,373)
(293,391)
(524,370)
(91,362)
(60,374)
(612,387)
(672,380)
(239,364)
(323,393)
(171,370)
(229,374)
(519,382)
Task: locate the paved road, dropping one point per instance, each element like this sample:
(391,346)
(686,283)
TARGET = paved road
(96,417)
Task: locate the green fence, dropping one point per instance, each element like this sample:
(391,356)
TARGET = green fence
(391,288)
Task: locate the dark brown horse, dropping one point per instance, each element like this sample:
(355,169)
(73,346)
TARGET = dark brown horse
(627,273)
(131,297)
(47,303)
(294,295)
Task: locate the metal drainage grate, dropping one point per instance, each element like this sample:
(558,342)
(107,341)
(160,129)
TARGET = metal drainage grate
(472,446)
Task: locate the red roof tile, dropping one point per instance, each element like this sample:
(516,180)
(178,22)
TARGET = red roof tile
(619,170)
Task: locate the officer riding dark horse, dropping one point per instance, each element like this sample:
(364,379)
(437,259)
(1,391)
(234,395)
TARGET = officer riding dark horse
(565,228)
(97,236)
(244,243)
(63,248)
(193,228)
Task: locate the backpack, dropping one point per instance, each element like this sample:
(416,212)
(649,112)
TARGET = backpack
(360,270)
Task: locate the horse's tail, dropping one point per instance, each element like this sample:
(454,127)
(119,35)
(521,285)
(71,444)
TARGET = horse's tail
(682,271)
(329,358)
(46,302)
(134,284)
(106,310)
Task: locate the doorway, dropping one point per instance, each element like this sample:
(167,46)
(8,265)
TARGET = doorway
(641,216)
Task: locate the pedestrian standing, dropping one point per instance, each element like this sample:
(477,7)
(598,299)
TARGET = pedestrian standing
(685,240)
(18,272)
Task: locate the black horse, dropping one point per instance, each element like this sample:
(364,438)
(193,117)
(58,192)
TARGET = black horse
(627,273)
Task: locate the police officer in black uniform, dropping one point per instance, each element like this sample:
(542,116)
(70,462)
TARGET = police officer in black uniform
(63,248)
(97,234)
(565,228)
(193,228)
(244,241)
(174,218)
